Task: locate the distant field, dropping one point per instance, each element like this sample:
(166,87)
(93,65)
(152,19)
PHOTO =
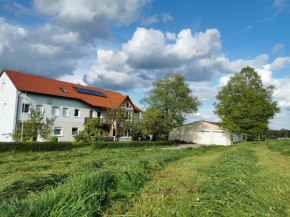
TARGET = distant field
(244,179)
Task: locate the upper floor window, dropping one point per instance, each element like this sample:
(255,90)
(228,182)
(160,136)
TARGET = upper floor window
(3,87)
(39,108)
(65,112)
(55,111)
(25,108)
(77,112)
(4,108)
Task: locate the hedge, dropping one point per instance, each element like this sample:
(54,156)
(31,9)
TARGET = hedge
(34,146)
(133,144)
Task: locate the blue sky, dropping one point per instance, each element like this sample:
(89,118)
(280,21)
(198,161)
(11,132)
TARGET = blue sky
(126,45)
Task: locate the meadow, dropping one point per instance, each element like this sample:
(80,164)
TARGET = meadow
(246,179)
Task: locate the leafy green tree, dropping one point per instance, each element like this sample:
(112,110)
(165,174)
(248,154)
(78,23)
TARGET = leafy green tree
(36,124)
(244,105)
(121,120)
(93,130)
(153,123)
(172,99)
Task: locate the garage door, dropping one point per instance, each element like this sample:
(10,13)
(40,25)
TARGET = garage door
(204,138)
(219,138)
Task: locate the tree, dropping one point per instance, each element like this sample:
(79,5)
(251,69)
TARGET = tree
(152,123)
(172,98)
(121,120)
(92,131)
(244,105)
(36,124)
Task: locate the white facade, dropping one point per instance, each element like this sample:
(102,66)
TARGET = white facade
(8,108)
(204,133)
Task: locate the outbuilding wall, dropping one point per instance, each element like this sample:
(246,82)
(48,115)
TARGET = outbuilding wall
(189,132)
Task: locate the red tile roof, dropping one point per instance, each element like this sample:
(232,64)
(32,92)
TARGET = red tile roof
(47,86)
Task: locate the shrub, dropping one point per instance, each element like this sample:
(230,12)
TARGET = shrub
(133,144)
(53,139)
(34,146)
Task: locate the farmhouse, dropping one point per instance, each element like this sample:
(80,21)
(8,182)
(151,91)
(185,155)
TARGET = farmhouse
(204,132)
(71,104)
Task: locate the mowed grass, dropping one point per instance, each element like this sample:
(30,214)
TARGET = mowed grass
(246,179)
(81,182)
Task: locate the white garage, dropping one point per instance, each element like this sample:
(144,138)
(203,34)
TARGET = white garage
(205,133)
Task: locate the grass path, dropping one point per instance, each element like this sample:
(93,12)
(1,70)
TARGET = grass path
(248,181)
(171,190)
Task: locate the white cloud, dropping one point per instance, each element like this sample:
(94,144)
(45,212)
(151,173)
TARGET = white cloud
(43,52)
(170,36)
(146,21)
(195,56)
(280,63)
(91,18)
(277,48)
(166,17)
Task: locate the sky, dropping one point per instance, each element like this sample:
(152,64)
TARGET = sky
(126,45)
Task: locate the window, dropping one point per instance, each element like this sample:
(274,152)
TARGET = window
(77,112)
(25,108)
(4,108)
(57,131)
(65,112)
(75,131)
(39,108)
(3,87)
(63,90)
(99,114)
(55,111)
(129,115)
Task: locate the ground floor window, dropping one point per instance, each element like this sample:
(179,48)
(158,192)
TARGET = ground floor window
(57,131)
(25,108)
(75,130)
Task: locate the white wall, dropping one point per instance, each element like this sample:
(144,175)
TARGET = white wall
(66,123)
(189,132)
(7,120)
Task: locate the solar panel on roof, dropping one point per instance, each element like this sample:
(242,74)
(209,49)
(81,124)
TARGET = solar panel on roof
(89,92)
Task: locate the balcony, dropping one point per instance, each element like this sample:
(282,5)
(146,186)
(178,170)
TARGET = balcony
(104,121)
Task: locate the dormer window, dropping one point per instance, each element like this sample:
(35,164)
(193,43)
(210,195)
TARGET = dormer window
(63,90)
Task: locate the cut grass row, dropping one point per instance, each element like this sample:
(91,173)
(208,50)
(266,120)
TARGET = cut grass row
(92,182)
(282,146)
(239,182)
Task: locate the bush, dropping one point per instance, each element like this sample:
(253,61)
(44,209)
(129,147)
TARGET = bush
(34,146)
(133,144)
(53,139)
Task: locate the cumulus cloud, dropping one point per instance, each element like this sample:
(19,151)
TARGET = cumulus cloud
(195,56)
(277,48)
(49,51)
(280,63)
(92,18)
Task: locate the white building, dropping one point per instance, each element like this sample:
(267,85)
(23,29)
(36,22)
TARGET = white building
(71,104)
(205,133)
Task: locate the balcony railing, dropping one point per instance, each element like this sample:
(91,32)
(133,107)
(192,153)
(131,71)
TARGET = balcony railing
(102,120)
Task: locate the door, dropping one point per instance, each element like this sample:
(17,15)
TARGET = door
(204,138)
(219,138)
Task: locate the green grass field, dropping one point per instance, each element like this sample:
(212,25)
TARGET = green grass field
(246,179)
